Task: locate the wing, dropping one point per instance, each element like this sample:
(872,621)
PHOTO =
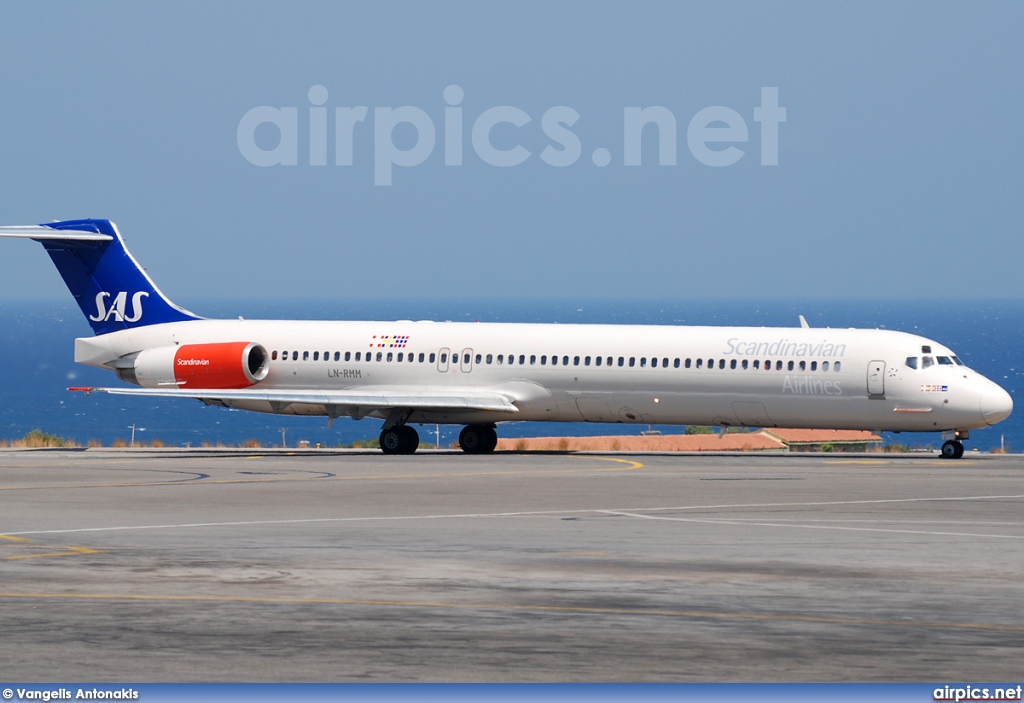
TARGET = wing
(335,403)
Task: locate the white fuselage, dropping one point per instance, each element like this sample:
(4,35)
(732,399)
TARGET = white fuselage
(743,376)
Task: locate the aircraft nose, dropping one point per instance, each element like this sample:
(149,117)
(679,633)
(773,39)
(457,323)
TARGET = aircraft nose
(996,405)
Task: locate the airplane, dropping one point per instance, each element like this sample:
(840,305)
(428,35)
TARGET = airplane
(482,374)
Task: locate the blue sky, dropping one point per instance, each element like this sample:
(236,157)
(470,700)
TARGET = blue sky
(899,162)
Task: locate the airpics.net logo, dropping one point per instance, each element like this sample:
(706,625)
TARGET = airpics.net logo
(714,135)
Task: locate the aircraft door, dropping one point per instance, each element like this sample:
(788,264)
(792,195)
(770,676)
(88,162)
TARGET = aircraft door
(467,360)
(876,379)
(442,359)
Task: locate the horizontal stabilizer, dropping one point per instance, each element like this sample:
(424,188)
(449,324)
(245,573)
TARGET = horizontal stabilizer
(42,233)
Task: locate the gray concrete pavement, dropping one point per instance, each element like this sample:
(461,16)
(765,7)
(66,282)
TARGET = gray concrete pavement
(346,566)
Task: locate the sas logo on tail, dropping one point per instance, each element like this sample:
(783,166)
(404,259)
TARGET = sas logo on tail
(117,307)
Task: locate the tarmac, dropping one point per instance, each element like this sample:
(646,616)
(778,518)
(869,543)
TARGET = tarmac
(323,566)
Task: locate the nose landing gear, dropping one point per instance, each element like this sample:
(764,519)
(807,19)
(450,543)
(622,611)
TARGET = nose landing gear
(953,448)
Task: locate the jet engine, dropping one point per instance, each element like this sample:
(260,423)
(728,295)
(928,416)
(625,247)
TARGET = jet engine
(219,365)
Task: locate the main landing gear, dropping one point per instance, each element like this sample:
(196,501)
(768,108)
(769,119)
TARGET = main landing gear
(400,439)
(474,439)
(478,439)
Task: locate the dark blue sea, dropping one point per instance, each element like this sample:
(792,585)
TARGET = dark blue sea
(37,363)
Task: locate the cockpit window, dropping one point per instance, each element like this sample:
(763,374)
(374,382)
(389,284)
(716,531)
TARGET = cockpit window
(912,362)
(944,360)
(957,361)
(927,361)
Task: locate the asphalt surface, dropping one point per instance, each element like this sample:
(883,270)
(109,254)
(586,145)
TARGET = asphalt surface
(131,566)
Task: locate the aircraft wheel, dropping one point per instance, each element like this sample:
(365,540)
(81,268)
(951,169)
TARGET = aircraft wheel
(490,441)
(411,439)
(392,440)
(952,449)
(470,439)
(478,439)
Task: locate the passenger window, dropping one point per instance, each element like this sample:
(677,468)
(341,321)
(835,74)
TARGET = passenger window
(501,358)
(700,363)
(824,366)
(586,362)
(444,358)
(554,360)
(380,356)
(305,356)
(295,356)
(803,365)
(622,361)
(490,359)
(478,357)
(721,363)
(789,366)
(401,356)
(732,364)
(745,364)
(778,365)
(643,362)
(543,359)
(675,363)
(836,366)
(533,359)
(511,359)
(575,361)
(687,364)
(927,361)
(316,356)
(757,364)
(391,356)
(273,356)
(522,359)
(814,366)
(767,364)
(433,356)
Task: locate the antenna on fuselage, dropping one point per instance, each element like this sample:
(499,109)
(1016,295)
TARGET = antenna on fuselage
(803,323)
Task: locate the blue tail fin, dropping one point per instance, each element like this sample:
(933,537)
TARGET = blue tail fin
(111,288)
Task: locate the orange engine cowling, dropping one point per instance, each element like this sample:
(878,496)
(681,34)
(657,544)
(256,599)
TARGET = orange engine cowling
(220,365)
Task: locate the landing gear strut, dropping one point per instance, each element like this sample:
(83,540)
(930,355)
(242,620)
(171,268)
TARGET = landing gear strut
(478,439)
(400,439)
(953,449)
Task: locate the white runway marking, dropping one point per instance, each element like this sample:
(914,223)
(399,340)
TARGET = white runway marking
(623,512)
(796,525)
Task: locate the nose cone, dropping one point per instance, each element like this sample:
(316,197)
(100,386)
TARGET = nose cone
(996,405)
